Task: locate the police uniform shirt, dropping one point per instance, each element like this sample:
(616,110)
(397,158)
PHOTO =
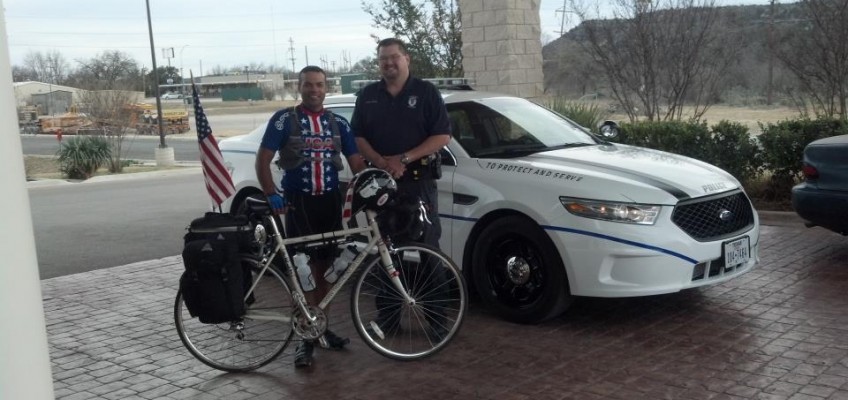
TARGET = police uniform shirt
(394,125)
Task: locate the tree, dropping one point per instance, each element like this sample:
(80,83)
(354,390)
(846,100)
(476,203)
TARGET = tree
(818,57)
(661,55)
(110,116)
(165,73)
(47,67)
(368,67)
(21,74)
(112,69)
(431,30)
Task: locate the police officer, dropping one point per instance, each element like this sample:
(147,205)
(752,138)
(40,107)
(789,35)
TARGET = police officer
(400,122)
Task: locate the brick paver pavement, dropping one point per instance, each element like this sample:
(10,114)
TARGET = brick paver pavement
(778,332)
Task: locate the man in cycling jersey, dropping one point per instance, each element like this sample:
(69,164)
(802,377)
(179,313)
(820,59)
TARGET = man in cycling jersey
(310,197)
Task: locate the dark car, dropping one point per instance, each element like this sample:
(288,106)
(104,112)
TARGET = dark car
(822,199)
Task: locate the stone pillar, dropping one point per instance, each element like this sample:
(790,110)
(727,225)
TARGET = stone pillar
(502,46)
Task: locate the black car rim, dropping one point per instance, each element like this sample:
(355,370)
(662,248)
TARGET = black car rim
(515,272)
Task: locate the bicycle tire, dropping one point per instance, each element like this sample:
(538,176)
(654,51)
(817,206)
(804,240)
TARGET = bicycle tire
(410,331)
(258,342)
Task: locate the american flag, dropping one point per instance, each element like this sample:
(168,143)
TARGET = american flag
(347,209)
(219,184)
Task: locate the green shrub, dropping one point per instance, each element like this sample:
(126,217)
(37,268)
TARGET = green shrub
(768,165)
(80,157)
(588,115)
(735,151)
(783,148)
(691,139)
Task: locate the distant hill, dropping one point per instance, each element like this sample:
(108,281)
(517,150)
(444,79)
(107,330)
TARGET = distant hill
(569,70)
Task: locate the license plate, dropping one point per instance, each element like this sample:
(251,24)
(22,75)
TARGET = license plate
(737,252)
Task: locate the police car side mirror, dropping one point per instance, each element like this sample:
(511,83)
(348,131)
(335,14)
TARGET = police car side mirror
(609,130)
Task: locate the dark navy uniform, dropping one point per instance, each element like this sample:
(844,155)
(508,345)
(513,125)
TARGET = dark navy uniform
(393,125)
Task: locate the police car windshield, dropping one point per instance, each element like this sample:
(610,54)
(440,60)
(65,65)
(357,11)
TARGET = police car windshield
(512,127)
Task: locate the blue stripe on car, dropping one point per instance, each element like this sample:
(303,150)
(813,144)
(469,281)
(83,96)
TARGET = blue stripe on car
(595,235)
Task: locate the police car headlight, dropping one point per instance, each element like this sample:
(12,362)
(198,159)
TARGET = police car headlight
(630,213)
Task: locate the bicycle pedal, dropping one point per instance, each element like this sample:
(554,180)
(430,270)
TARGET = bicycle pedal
(322,341)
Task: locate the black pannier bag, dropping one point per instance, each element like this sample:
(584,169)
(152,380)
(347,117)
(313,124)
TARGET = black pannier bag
(214,282)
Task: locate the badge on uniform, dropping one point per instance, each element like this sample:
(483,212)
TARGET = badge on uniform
(412,101)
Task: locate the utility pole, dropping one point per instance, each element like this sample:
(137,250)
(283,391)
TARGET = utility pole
(164,154)
(306,53)
(291,51)
(770,87)
(564,11)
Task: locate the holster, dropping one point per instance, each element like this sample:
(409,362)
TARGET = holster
(429,167)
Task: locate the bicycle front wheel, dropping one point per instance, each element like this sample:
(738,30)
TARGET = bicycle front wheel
(250,342)
(414,328)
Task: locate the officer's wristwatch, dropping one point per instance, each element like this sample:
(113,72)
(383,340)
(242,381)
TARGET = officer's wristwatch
(404,159)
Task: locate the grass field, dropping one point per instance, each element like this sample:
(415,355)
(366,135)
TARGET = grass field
(748,116)
(751,117)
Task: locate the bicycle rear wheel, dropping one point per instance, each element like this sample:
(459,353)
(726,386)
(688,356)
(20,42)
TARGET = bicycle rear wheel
(410,330)
(250,342)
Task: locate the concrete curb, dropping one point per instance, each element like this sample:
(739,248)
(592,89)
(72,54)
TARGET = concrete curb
(781,218)
(185,168)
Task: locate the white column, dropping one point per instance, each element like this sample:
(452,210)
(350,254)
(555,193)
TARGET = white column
(24,356)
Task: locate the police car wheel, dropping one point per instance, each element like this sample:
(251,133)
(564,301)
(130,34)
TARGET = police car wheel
(518,272)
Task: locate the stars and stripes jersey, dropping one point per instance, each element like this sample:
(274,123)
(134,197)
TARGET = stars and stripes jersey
(318,175)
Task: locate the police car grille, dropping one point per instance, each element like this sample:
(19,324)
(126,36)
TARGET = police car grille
(702,218)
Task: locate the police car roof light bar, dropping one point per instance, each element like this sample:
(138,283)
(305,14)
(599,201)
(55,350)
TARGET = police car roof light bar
(441,83)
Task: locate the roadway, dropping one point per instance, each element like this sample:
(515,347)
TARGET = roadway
(142,147)
(104,222)
(115,220)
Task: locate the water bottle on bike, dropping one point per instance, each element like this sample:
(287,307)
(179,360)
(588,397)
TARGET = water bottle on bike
(340,265)
(304,272)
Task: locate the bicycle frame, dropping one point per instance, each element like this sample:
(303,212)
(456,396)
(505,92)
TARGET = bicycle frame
(375,240)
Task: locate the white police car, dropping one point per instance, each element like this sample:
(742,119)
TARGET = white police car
(536,210)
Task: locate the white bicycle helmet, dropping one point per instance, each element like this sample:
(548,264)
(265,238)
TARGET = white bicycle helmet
(373,189)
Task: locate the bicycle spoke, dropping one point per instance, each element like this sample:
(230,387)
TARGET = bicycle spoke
(246,344)
(404,330)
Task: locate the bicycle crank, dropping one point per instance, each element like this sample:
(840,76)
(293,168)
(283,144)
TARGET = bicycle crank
(309,330)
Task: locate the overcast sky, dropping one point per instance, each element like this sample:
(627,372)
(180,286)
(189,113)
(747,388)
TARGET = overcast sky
(209,33)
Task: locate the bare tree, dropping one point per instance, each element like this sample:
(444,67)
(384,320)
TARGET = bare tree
(112,69)
(47,67)
(660,55)
(431,30)
(818,57)
(368,67)
(21,74)
(109,114)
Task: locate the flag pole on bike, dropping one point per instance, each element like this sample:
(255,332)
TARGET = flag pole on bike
(219,183)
